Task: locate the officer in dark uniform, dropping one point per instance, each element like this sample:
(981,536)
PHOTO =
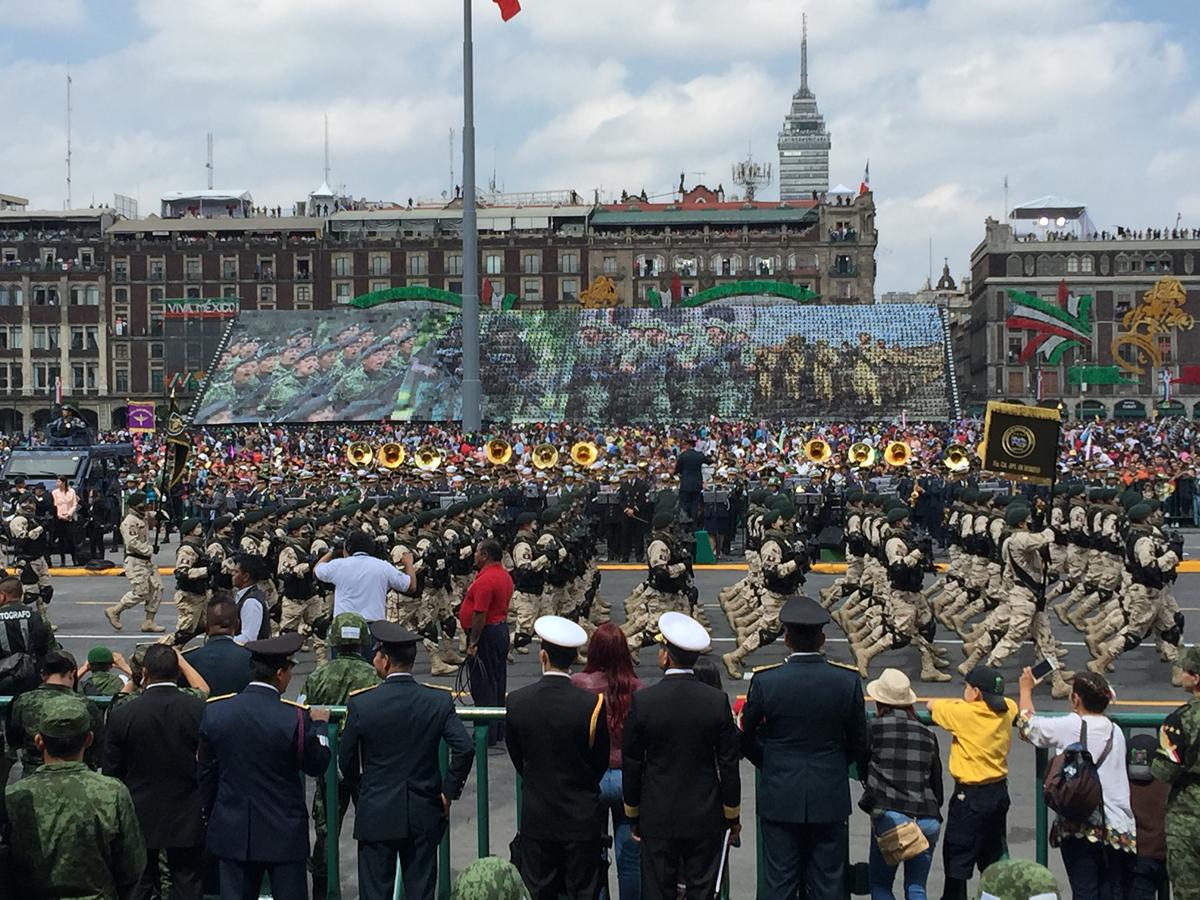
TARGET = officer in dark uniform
(802,726)
(402,803)
(557,737)
(681,788)
(252,746)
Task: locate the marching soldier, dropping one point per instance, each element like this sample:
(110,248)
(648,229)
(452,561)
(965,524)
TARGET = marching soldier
(301,601)
(666,588)
(528,571)
(191,583)
(145,586)
(30,548)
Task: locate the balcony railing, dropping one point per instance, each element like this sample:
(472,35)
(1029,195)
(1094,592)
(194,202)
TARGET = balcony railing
(842,271)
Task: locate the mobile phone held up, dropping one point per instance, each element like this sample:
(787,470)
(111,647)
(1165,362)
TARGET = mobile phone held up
(1044,668)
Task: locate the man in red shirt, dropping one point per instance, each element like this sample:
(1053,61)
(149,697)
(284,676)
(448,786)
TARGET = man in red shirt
(484,617)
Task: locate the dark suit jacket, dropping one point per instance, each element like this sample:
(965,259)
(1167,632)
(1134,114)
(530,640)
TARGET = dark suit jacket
(398,784)
(223,663)
(557,737)
(680,759)
(150,744)
(802,726)
(251,756)
(689,467)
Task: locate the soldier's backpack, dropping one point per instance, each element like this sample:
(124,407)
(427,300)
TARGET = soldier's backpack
(1072,786)
(18,668)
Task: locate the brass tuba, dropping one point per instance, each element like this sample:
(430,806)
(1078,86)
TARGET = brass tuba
(360,453)
(818,450)
(545,456)
(391,455)
(861,454)
(584,454)
(427,458)
(957,458)
(498,451)
(897,453)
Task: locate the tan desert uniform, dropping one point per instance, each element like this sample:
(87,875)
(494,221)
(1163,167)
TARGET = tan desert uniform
(190,605)
(145,586)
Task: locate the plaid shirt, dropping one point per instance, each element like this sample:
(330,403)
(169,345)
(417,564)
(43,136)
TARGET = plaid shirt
(905,771)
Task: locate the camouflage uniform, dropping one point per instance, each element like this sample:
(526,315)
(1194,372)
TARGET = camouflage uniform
(25,720)
(489,878)
(145,586)
(102,684)
(1177,762)
(191,585)
(1018,879)
(331,684)
(73,832)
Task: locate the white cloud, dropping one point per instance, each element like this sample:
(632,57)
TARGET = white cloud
(1073,97)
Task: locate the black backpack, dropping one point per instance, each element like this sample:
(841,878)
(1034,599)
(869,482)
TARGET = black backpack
(18,668)
(1072,786)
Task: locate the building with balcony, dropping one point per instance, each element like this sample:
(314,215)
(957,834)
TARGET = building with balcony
(706,241)
(53,313)
(1096,319)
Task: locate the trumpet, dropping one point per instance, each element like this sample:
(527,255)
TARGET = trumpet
(359,453)
(427,458)
(897,453)
(861,454)
(391,456)
(957,458)
(545,456)
(584,454)
(498,451)
(818,450)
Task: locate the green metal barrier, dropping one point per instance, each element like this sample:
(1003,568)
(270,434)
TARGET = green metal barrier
(479,720)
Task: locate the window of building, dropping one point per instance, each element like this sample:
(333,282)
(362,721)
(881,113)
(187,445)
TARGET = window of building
(762,265)
(76,295)
(417,282)
(157,382)
(156,350)
(264,270)
(229,291)
(303,268)
(1122,264)
(1016,343)
(120,325)
(85,337)
(48,257)
(493,263)
(531,263)
(531,290)
(3,338)
(120,350)
(16,337)
(303,297)
(191,268)
(266,297)
(45,295)
(120,270)
(1123,304)
(192,293)
(1072,265)
(45,375)
(156,295)
(4,378)
(380,264)
(121,378)
(609,265)
(454,264)
(568,262)
(45,337)
(83,376)
(343,266)
(342,292)
(497,289)
(86,257)
(1164,348)
(418,264)
(570,290)
(229,268)
(379,286)
(157,270)
(10,295)
(1085,264)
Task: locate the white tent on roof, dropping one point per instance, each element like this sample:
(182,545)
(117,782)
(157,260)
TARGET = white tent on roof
(840,189)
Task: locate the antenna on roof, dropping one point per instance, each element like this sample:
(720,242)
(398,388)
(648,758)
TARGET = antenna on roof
(209,165)
(68,140)
(327,148)
(452,185)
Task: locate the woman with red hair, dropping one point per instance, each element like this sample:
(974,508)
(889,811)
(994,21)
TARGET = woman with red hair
(609,671)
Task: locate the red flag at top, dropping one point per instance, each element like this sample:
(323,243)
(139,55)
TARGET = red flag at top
(508,8)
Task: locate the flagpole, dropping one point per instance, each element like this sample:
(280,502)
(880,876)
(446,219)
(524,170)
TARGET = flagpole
(470,288)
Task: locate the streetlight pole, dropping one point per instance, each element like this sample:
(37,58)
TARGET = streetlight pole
(471,414)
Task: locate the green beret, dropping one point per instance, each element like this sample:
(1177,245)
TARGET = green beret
(663,520)
(297,523)
(1062,490)
(526,518)
(424,518)
(100,656)
(1001,500)
(349,628)
(770,518)
(64,716)
(552,514)
(1130,499)
(137,499)
(188,525)
(1140,513)
(1015,515)
(222,521)
(897,514)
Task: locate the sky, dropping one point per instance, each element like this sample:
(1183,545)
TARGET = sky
(1096,101)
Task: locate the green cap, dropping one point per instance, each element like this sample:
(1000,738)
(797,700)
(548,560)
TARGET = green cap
(100,656)
(1017,879)
(64,716)
(897,514)
(137,500)
(489,878)
(349,628)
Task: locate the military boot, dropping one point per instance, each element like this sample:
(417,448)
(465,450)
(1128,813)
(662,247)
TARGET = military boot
(971,661)
(929,669)
(1104,658)
(1060,686)
(113,614)
(149,626)
(733,663)
(866,653)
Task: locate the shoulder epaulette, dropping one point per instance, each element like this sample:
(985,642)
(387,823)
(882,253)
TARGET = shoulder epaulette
(842,665)
(758,669)
(362,690)
(294,703)
(219,697)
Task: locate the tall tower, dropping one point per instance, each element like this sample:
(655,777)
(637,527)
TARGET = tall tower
(803,142)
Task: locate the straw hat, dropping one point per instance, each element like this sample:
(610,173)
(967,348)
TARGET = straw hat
(892,688)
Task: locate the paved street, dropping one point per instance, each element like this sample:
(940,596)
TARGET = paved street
(1141,681)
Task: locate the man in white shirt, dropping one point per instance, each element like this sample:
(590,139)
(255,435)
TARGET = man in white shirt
(254,625)
(361,581)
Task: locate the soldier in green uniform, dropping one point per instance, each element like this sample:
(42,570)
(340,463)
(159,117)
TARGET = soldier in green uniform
(1177,762)
(294,385)
(59,678)
(99,679)
(1018,879)
(73,832)
(332,684)
(489,878)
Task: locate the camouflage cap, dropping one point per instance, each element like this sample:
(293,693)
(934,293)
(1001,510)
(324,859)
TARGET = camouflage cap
(490,878)
(1189,660)
(348,628)
(64,716)
(1017,879)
